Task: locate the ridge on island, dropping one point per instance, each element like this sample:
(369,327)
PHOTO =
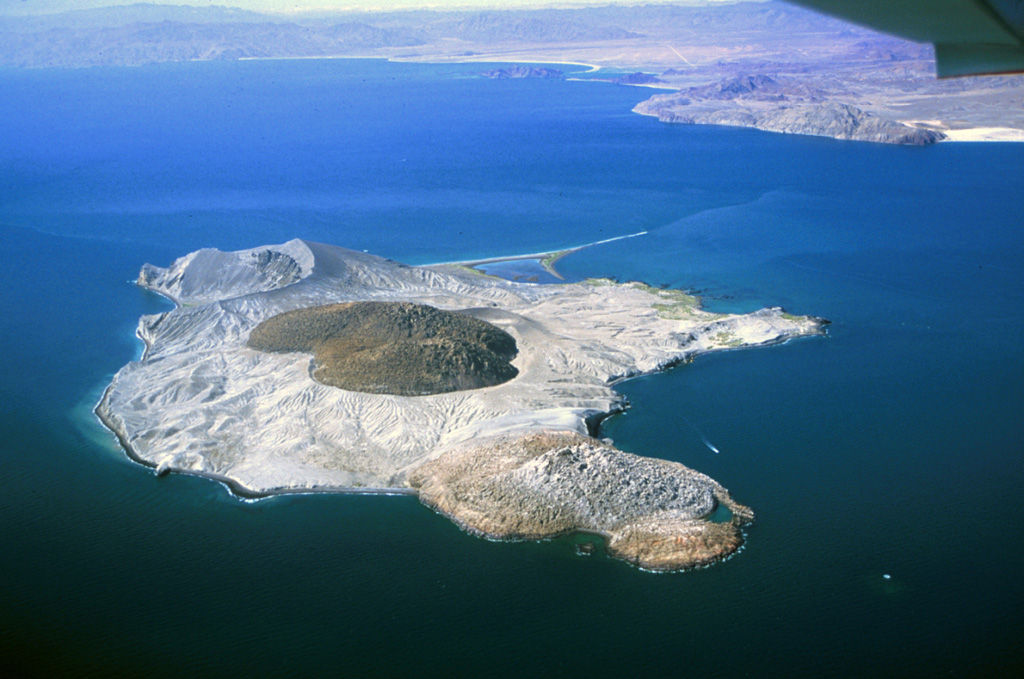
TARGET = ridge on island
(233,386)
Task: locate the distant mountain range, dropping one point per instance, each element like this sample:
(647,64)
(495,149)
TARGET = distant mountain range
(145,33)
(129,14)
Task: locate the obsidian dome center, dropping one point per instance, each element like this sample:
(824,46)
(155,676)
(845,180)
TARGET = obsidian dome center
(392,347)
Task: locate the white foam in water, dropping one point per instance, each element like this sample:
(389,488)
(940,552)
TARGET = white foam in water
(699,433)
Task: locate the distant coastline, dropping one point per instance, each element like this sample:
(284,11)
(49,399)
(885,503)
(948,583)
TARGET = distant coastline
(917,130)
(462,59)
(838,80)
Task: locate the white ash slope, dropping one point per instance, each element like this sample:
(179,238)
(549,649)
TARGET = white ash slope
(201,401)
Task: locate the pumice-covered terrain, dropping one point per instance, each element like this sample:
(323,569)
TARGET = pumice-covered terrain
(308,367)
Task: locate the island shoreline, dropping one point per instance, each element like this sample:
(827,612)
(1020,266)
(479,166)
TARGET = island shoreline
(594,422)
(235,488)
(245,493)
(653,513)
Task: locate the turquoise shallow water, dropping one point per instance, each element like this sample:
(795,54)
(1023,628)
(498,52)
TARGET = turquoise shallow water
(892,446)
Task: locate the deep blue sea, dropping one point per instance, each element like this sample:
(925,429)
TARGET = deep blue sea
(892,447)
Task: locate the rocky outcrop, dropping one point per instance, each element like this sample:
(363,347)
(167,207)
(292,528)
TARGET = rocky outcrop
(781,105)
(638,78)
(523,72)
(654,513)
(842,121)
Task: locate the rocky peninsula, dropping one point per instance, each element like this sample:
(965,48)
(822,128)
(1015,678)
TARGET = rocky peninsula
(787,105)
(307,367)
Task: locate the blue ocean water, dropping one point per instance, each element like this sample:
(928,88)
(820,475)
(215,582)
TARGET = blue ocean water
(890,447)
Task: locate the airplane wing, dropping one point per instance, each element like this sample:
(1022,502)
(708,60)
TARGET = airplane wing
(971,37)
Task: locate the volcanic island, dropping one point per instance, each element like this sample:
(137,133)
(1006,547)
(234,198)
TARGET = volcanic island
(307,367)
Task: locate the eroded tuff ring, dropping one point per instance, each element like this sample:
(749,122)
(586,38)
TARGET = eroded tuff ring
(654,513)
(392,347)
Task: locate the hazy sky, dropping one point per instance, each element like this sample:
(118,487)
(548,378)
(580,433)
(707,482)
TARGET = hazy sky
(46,6)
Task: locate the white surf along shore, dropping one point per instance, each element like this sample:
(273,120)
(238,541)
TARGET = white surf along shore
(515,460)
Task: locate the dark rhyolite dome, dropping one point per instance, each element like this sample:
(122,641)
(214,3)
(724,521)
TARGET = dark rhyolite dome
(392,347)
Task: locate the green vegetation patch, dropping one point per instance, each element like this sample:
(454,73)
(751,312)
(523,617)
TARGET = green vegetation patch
(469,269)
(553,257)
(679,305)
(726,338)
(674,296)
(677,311)
(674,305)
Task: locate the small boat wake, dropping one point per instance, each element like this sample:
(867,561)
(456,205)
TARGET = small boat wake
(703,438)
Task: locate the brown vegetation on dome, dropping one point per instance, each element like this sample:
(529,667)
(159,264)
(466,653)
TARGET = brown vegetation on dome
(392,347)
